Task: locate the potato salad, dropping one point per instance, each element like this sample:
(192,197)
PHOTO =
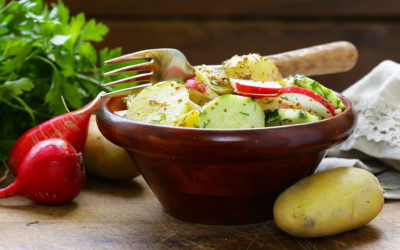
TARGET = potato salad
(245,92)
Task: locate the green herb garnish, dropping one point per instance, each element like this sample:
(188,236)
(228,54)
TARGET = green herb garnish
(214,83)
(162,117)
(302,114)
(205,124)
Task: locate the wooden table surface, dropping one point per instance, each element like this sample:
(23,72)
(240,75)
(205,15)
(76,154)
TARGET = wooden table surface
(111,215)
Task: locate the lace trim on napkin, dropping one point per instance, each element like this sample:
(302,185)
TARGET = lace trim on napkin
(378,121)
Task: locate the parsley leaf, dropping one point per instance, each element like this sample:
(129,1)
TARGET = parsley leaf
(45,54)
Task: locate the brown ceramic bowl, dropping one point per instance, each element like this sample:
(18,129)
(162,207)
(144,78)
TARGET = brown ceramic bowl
(215,176)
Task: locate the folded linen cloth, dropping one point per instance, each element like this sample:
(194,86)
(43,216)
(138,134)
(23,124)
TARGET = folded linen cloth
(375,143)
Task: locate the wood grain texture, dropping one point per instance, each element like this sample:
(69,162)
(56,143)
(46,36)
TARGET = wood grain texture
(110,215)
(236,8)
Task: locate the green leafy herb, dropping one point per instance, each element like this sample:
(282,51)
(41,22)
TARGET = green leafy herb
(45,54)
(162,118)
(302,114)
(205,124)
(273,116)
(214,83)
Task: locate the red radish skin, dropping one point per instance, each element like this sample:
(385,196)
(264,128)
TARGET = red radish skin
(71,127)
(267,88)
(258,90)
(309,93)
(198,86)
(51,173)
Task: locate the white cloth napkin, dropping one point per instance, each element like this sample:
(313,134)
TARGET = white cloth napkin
(375,143)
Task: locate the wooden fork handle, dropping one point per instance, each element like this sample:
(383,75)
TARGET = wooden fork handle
(322,59)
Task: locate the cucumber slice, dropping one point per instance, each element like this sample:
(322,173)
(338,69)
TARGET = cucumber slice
(310,84)
(289,116)
(232,111)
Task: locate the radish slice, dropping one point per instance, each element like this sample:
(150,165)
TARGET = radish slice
(308,99)
(295,94)
(256,88)
(199,92)
(195,85)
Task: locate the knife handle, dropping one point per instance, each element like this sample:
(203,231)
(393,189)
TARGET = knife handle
(321,59)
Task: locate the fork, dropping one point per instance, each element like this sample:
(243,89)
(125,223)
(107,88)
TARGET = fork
(171,64)
(161,65)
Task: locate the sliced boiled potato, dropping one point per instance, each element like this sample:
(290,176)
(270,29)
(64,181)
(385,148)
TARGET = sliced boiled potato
(214,78)
(252,67)
(163,104)
(190,119)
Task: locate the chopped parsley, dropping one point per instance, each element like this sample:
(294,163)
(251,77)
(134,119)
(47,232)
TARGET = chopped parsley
(162,118)
(205,123)
(302,114)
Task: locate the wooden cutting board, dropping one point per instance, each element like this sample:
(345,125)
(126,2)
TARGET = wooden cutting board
(111,215)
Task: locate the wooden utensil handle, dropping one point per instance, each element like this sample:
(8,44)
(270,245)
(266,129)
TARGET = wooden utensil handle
(322,59)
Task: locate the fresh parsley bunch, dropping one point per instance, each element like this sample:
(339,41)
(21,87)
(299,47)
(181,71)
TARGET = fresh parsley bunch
(45,54)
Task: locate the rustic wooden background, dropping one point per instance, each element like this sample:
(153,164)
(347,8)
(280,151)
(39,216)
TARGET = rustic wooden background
(210,31)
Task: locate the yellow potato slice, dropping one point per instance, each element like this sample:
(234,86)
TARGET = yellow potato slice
(252,67)
(163,104)
(190,119)
(214,78)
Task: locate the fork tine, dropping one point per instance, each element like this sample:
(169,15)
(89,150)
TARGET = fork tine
(123,92)
(143,54)
(145,77)
(130,68)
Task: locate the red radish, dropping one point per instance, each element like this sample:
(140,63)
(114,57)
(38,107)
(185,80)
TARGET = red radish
(295,94)
(309,99)
(198,86)
(271,103)
(256,89)
(71,127)
(199,92)
(51,173)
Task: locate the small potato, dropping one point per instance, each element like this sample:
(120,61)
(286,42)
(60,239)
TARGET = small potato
(329,203)
(105,159)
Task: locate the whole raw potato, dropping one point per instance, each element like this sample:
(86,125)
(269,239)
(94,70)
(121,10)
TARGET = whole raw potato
(105,159)
(329,203)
